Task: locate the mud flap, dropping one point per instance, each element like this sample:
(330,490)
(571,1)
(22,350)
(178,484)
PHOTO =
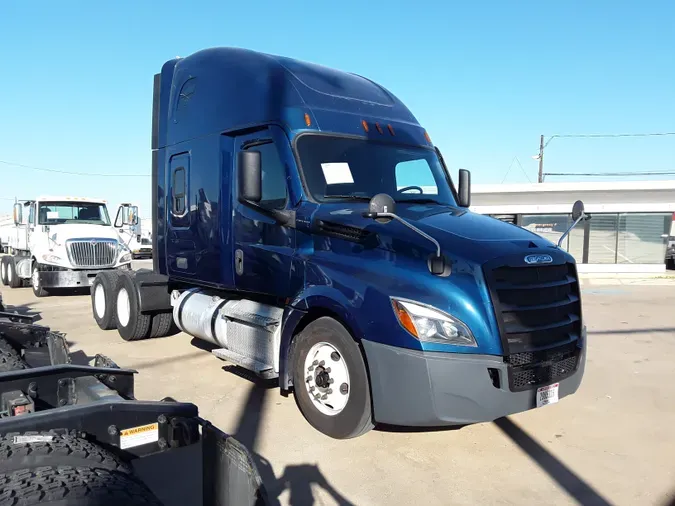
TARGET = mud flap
(230,477)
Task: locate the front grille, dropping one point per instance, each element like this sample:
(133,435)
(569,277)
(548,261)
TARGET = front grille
(90,253)
(538,311)
(536,306)
(532,369)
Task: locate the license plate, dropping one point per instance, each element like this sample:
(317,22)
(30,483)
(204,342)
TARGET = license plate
(547,395)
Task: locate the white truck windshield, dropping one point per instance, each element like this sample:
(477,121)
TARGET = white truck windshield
(55,213)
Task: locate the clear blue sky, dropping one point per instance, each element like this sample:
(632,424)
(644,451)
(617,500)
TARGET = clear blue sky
(485,78)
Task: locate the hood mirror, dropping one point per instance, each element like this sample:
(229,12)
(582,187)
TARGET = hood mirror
(578,215)
(577,210)
(382,208)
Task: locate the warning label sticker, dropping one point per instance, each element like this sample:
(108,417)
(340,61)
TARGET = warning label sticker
(137,436)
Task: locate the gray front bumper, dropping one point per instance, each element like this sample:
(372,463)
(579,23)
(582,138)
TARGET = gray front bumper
(67,279)
(417,388)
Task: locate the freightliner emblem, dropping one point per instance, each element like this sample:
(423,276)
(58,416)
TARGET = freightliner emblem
(538,259)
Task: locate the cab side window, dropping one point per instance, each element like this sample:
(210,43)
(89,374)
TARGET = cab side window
(118,218)
(179,192)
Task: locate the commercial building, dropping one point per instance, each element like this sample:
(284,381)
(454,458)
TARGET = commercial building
(628,230)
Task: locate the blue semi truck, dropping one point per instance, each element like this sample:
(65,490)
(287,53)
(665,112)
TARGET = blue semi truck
(306,226)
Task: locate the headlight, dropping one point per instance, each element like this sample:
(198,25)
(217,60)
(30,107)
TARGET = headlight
(124,253)
(51,258)
(431,325)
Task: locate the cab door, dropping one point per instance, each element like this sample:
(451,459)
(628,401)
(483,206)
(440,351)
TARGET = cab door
(180,244)
(263,249)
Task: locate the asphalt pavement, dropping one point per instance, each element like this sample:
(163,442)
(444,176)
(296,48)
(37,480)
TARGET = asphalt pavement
(611,443)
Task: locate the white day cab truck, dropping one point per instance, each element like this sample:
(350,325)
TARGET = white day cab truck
(61,242)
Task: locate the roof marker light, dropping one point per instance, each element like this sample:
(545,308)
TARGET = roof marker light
(308,120)
(364,125)
(426,136)
(379,128)
(391,130)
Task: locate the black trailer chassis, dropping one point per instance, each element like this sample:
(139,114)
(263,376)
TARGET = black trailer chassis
(51,408)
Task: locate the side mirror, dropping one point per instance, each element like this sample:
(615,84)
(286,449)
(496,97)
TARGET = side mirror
(18,214)
(464,189)
(381,204)
(249,173)
(577,210)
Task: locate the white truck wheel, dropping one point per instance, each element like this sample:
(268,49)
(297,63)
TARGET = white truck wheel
(13,279)
(104,300)
(132,325)
(3,271)
(38,291)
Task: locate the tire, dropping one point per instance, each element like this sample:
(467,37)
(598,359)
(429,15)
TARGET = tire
(73,486)
(103,291)
(10,360)
(131,324)
(62,450)
(161,324)
(13,279)
(3,270)
(355,418)
(38,291)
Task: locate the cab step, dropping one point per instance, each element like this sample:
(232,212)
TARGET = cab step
(265,371)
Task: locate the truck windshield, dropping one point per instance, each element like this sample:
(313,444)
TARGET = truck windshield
(55,213)
(336,168)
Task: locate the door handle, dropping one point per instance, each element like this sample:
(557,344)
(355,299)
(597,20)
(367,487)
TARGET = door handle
(239,262)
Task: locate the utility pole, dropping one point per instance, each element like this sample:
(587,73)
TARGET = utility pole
(541,160)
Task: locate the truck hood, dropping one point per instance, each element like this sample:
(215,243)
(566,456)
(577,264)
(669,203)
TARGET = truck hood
(61,233)
(461,233)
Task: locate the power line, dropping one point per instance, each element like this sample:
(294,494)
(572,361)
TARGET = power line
(601,174)
(607,136)
(517,160)
(70,172)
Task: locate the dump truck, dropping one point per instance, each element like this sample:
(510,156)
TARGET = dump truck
(306,226)
(61,242)
(74,434)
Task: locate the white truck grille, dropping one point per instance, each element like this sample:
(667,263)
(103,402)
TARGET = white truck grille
(92,253)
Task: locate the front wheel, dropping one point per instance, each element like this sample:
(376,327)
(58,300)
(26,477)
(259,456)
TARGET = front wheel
(330,380)
(38,290)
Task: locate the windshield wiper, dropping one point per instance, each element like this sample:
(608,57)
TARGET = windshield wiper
(419,201)
(348,197)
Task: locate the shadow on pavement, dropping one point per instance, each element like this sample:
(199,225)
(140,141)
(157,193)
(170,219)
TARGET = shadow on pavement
(176,477)
(573,484)
(297,479)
